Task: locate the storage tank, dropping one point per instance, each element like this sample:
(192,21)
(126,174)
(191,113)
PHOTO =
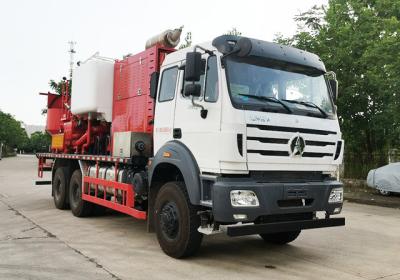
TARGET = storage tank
(92,88)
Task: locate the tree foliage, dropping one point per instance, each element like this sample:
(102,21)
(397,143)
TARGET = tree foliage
(59,86)
(12,134)
(360,41)
(38,142)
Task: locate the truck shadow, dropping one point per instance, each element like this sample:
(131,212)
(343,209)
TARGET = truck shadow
(224,245)
(252,251)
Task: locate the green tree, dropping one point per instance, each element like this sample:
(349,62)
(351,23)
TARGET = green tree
(360,41)
(12,134)
(59,86)
(39,142)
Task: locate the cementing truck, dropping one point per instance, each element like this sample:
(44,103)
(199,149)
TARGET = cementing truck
(236,136)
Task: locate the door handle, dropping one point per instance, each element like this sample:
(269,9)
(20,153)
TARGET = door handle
(177,133)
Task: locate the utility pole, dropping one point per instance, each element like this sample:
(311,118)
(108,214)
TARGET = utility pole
(71,57)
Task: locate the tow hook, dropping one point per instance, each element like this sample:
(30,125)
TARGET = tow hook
(207,225)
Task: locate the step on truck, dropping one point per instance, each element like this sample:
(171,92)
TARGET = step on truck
(235,136)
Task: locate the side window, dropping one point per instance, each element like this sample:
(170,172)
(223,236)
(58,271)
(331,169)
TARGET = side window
(211,93)
(168,84)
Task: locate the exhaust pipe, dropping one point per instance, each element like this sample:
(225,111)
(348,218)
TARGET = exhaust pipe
(169,38)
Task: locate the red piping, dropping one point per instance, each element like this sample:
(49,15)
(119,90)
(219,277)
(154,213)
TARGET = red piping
(88,135)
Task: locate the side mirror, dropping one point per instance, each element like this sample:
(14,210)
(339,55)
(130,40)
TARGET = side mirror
(154,84)
(193,67)
(334,88)
(193,90)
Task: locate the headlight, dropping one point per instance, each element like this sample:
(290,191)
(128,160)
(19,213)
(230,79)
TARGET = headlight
(336,195)
(244,198)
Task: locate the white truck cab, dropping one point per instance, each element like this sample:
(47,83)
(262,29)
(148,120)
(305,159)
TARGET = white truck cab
(255,115)
(251,129)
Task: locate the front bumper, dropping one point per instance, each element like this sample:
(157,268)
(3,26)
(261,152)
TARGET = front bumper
(249,229)
(276,199)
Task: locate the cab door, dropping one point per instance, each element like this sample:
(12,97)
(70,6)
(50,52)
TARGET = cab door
(200,134)
(165,106)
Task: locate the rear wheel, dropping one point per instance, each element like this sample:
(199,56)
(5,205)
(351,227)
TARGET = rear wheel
(60,187)
(79,207)
(176,221)
(280,237)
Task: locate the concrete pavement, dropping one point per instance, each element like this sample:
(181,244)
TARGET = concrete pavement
(38,241)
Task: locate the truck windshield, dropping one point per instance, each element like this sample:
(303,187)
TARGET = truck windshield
(303,92)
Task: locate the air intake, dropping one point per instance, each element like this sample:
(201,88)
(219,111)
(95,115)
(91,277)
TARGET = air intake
(338,150)
(240,143)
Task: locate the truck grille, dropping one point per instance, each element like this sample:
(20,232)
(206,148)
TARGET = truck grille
(274,141)
(291,129)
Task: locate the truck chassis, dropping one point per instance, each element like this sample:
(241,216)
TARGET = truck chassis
(125,205)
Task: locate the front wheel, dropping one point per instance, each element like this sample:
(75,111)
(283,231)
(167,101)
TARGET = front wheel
(176,221)
(280,238)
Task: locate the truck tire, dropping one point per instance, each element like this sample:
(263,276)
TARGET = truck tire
(280,238)
(60,187)
(176,221)
(79,207)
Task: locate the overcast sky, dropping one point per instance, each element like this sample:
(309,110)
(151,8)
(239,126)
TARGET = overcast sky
(34,35)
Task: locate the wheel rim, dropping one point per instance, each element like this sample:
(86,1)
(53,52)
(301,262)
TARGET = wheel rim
(57,189)
(76,195)
(169,220)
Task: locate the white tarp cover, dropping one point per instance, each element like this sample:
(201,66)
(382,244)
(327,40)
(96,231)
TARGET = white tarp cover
(385,178)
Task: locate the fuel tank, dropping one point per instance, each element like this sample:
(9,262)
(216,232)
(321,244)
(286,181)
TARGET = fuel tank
(108,173)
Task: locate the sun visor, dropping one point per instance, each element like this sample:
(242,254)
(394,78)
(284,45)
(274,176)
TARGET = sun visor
(253,48)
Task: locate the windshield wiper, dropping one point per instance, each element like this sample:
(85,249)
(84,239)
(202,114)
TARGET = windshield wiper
(270,99)
(308,104)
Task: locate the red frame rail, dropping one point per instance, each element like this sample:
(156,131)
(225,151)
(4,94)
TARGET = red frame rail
(84,157)
(40,167)
(127,204)
(43,166)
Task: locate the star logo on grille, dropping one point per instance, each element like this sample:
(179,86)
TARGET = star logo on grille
(297,146)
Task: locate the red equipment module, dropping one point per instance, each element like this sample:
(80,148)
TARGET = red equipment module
(54,113)
(133,108)
(70,133)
